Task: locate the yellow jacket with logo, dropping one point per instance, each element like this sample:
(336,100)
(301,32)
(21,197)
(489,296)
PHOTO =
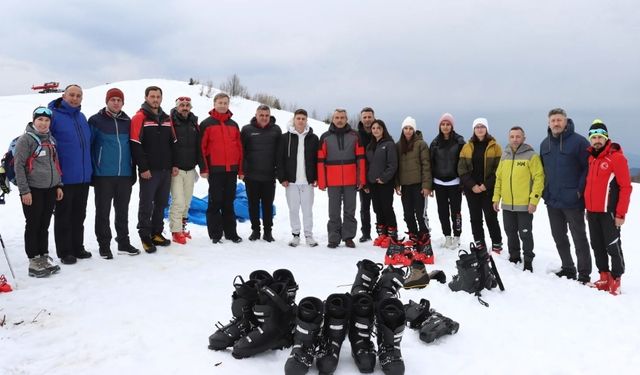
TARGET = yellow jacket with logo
(519,179)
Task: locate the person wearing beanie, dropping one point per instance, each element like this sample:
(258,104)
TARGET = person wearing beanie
(477,167)
(445,155)
(71,130)
(607,195)
(367,116)
(414,181)
(565,160)
(39,183)
(188,155)
(113,173)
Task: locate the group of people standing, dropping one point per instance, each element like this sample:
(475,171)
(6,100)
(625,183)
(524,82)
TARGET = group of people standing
(62,153)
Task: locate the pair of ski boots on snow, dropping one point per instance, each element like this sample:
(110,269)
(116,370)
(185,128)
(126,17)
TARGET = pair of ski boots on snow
(430,323)
(264,312)
(404,252)
(321,328)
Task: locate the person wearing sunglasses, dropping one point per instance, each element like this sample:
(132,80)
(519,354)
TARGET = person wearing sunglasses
(40,186)
(565,160)
(188,155)
(606,196)
(71,130)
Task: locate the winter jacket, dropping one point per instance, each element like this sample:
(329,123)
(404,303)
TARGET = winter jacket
(491,160)
(519,179)
(414,166)
(188,150)
(341,159)
(260,149)
(565,161)
(382,161)
(153,141)
(221,145)
(288,155)
(71,131)
(110,149)
(608,187)
(365,138)
(42,171)
(445,155)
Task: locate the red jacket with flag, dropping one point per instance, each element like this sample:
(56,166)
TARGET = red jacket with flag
(341,160)
(608,186)
(221,146)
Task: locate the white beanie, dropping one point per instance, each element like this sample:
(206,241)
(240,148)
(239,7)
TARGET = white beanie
(409,121)
(480,121)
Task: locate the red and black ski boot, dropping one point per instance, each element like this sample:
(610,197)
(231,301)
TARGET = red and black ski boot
(5,287)
(603,283)
(381,229)
(614,285)
(424,251)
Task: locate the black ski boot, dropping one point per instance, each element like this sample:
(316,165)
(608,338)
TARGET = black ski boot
(366,277)
(437,326)
(486,275)
(275,317)
(390,321)
(285,276)
(242,301)
(306,337)
(417,313)
(336,322)
(360,327)
(468,278)
(389,283)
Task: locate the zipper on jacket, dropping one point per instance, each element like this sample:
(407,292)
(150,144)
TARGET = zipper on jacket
(115,121)
(513,161)
(100,156)
(82,144)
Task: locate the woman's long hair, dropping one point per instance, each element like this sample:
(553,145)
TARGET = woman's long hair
(407,145)
(385,135)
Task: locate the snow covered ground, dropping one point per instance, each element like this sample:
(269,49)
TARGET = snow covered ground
(152,314)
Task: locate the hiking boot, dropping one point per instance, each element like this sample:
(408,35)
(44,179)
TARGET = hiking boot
(68,259)
(105,252)
(614,285)
(49,264)
(267,236)
(306,337)
(497,247)
(38,268)
(179,237)
(390,321)
(437,326)
(603,283)
(349,243)
(159,240)
(148,245)
(366,277)
(295,241)
(418,276)
(360,332)
(337,309)
(255,235)
(83,254)
(569,274)
(448,242)
(311,242)
(364,238)
(528,265)
(128,249)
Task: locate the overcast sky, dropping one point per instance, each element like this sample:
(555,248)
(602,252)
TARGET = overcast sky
(509,61)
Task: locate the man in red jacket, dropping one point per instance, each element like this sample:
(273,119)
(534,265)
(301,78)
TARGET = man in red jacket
(222,153)
(606,197)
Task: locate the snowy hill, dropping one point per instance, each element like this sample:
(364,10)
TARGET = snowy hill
(152,314)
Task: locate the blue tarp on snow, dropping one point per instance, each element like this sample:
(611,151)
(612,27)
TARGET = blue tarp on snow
(198,208)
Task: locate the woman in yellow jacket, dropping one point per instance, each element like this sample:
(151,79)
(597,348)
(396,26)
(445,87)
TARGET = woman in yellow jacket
(519,184)
(479,159)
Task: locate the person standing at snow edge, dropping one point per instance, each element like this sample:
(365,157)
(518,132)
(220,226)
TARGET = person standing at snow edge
(607,195)
(40,186)
(188,155)
(71,131)
(297,160)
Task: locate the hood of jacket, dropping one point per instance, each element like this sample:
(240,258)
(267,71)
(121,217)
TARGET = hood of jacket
(61,105)
(521,150)
(177,119)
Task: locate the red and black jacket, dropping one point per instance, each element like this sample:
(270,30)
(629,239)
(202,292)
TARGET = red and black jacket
(608,187)
(153,140)
(341,159)
(221,146)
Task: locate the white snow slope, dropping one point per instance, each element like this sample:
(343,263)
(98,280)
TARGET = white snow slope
(152,314)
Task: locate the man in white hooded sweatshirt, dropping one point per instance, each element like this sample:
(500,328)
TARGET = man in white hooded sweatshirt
(297,159)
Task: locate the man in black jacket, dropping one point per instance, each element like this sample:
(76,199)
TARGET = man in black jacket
(297,172)
(367,116)
(260,139)
(152,147)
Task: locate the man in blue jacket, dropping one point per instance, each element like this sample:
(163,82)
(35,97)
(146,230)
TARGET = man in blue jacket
(565,159)
(112,173)
(70,129)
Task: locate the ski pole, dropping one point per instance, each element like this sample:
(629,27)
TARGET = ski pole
(4,250)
